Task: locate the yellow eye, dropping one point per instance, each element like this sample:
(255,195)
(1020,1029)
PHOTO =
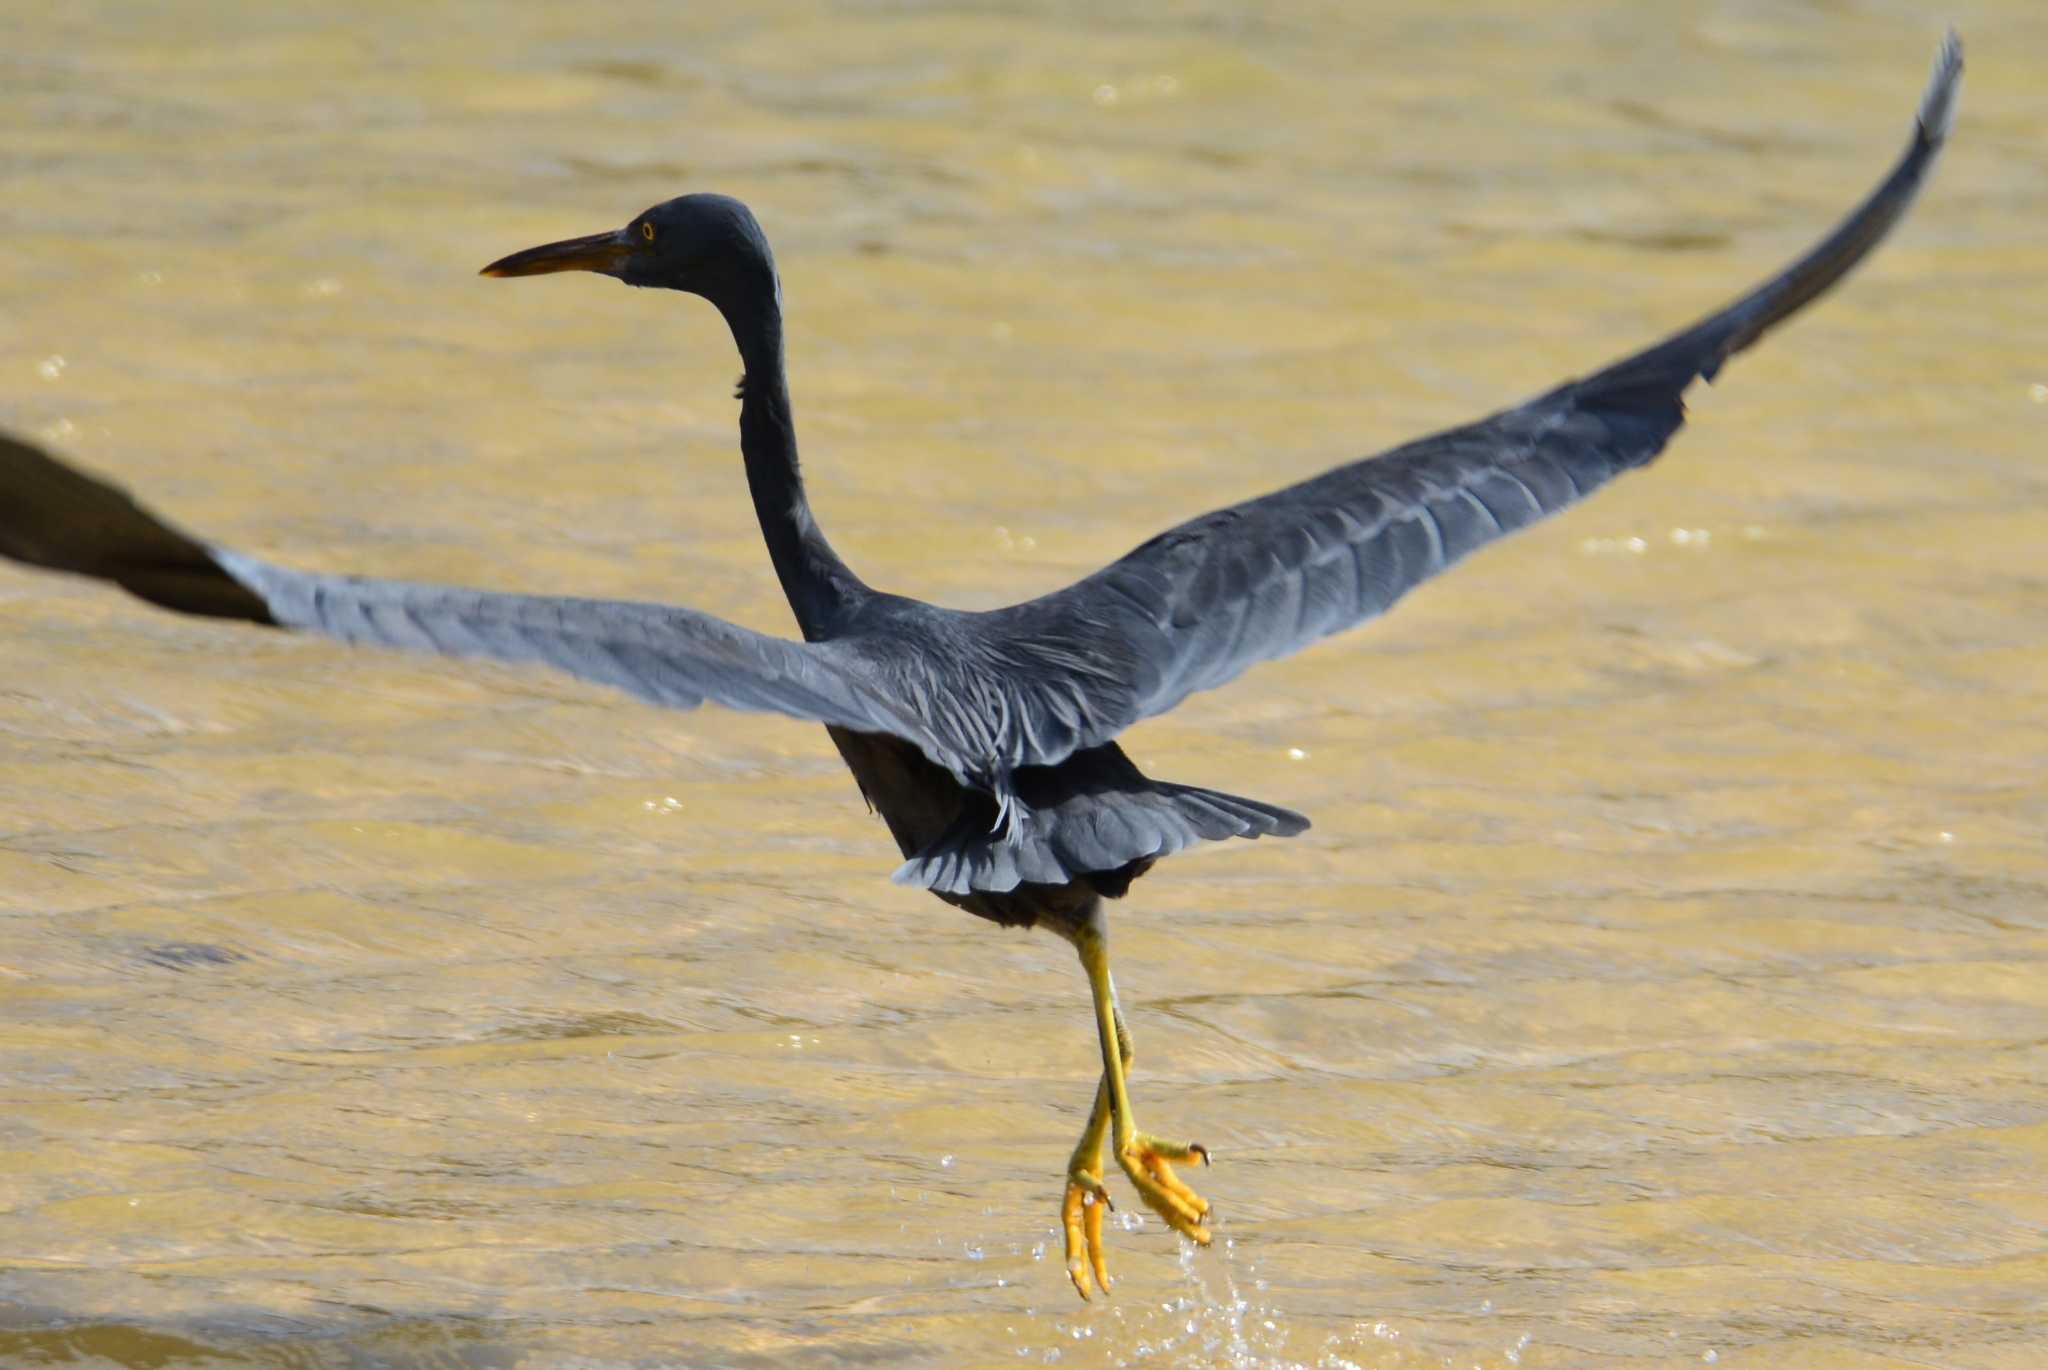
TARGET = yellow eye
(647,232)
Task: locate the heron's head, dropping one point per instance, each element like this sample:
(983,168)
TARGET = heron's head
(709,245)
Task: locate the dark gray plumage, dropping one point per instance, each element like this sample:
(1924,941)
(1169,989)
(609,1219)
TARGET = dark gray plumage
(986,739)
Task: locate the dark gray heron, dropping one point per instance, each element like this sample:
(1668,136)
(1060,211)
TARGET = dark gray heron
(987,741)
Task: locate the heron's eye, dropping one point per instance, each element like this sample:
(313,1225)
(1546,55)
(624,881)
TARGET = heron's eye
(647,232)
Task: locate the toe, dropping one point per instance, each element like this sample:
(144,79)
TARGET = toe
(1081,1217)
(1077,1246)
(1179,1214)
(1097,1258)
(1174,1185)
(1148,1162)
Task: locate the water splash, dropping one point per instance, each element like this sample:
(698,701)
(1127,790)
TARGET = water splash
(1221,1316)
(1211,1322)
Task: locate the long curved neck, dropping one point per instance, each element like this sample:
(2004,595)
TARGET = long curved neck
(817,583)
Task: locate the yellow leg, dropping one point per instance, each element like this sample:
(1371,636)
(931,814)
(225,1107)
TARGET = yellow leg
(1144,1159)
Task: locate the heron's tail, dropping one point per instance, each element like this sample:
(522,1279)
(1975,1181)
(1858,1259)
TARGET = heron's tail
(1093,817)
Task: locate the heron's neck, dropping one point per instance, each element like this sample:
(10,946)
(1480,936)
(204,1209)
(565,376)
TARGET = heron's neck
(816,582)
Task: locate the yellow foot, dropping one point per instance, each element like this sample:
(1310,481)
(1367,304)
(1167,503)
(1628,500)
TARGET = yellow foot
(1147,1161)
(1081,1215)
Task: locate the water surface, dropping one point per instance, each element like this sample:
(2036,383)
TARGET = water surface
(1662,983)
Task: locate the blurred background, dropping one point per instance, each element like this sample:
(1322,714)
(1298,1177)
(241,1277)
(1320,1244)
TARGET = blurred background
(1660,985)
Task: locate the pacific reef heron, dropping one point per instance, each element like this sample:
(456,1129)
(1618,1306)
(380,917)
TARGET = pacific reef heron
(987,741)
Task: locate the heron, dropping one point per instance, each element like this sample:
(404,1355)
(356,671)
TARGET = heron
(987,741)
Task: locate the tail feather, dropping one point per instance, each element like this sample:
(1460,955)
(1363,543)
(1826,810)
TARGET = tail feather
(1091,831)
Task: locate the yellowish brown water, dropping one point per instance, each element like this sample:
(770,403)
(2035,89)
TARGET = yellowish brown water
(1662,983)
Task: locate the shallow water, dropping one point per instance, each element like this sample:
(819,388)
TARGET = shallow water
(1660,985)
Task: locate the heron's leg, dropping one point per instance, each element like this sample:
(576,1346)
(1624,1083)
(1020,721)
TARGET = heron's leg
(1145,1159)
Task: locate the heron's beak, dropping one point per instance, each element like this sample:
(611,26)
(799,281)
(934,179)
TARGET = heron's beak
(605,253)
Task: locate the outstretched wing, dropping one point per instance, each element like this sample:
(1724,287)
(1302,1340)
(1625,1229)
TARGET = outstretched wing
(984,694)
(55,516)
(1198,605)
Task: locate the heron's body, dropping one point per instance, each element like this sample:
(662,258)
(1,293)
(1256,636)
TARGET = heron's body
(921,803)
(986,741)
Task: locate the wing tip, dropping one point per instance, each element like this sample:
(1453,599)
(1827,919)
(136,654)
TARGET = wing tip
(1290,824)
(1938,106)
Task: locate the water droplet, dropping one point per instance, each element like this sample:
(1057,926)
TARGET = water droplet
(1296,754)
(323,288)
(1945,838)
(1106,94)
(946,1161)
(2038,393)
(1609,546)
(1710,1355)
(51,368)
